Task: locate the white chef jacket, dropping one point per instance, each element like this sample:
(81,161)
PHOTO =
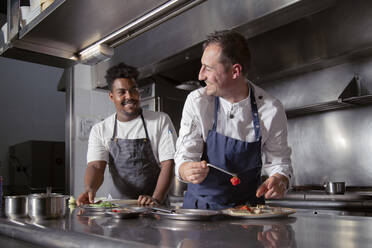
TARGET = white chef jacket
(160,129)
(198,118)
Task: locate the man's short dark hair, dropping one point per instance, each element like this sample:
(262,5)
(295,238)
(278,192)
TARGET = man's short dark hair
(120,70)
(234,48)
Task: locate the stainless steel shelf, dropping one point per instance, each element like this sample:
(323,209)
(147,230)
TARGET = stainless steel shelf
(40,18)
(9,51)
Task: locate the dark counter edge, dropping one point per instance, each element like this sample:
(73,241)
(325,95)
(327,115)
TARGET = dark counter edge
(48,237)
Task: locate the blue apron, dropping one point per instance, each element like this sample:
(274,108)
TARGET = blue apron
(236,156)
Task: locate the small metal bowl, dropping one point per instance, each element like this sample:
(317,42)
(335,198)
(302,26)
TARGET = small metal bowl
(335,188)
(16,206)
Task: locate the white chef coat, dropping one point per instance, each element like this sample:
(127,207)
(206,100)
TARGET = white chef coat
(159,126)
(198,118)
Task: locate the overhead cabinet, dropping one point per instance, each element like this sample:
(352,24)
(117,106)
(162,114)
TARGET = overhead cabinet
(58,34)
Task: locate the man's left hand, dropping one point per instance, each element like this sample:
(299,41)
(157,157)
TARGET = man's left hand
(274,187)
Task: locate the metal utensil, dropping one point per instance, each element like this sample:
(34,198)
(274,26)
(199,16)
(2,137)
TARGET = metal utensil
(165,210)
(224,171)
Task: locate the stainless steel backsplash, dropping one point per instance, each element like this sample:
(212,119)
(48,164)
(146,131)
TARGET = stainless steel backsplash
(334,145)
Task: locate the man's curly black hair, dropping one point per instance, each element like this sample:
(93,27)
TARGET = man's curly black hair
(120,70)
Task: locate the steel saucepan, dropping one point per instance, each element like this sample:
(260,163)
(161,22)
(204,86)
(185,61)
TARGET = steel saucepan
(16,206)
(335,188)
(46,206)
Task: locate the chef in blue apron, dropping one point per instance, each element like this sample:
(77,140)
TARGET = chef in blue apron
(137,145)
(233,125)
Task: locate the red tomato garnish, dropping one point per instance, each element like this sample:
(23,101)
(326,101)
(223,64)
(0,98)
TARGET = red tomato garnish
(245,207)
(235,181)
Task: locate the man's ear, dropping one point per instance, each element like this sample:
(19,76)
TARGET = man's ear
(236,71)
(111,96)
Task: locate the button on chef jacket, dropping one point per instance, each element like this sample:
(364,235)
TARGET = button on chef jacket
(235,121)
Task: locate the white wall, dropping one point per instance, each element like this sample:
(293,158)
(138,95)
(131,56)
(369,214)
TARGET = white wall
(31,107)
(89,106)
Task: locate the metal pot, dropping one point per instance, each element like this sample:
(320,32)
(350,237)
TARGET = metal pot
(46,206)
(16,206)
(335,188)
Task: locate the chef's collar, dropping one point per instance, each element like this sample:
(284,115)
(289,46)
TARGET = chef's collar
(246,101)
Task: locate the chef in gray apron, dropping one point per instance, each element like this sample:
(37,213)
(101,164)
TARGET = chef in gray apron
(133,167)
(133,142)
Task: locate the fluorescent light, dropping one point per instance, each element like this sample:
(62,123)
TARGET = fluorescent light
(97,54)
(128,26)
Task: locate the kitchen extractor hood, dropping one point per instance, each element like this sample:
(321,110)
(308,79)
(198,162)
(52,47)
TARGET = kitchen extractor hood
(70,30)
(67,28)
(354,95)
(308,44)
(172,54)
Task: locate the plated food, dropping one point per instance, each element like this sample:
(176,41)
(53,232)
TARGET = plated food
(99,206)
(127,212)
(258,212)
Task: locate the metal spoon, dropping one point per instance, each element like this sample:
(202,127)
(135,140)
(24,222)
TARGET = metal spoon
(224,171)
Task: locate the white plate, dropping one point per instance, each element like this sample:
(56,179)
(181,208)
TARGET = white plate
(96,208)
(268,212)
(187,214)
(126,212)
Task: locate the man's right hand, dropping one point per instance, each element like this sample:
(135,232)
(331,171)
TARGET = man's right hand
(194,172)
(94,175)
(86,197)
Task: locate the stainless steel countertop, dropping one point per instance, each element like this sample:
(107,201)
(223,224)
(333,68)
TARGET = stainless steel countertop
(303,229)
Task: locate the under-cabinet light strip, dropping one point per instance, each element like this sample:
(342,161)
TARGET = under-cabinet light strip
(128,26)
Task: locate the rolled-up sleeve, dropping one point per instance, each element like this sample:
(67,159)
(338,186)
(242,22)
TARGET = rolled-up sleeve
(190,141)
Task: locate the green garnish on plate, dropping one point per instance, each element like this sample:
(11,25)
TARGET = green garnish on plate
(103,205)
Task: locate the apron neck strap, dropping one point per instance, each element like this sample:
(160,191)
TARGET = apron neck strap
(216,107)
(143,122)
(256,120)
(114,132)
(144,125)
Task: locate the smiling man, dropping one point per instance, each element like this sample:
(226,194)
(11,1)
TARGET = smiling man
(138,146)
(234,125)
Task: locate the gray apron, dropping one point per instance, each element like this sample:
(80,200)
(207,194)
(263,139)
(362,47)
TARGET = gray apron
(132,165)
